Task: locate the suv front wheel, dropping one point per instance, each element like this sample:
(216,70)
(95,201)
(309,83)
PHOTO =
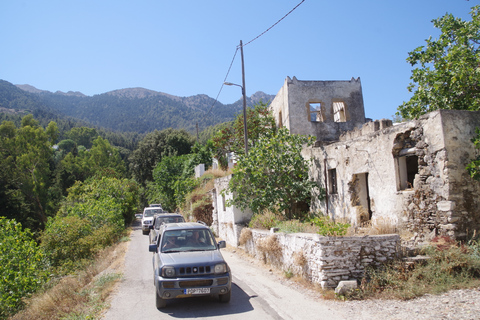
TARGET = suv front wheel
(159,302)
(225,297)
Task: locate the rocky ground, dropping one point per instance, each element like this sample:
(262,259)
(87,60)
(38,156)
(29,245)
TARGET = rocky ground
(456,304)
(453,305)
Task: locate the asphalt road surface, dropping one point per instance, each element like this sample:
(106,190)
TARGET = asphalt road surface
(256,293)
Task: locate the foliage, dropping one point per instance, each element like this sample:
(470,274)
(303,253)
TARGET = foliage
(473,167)
(231,137)
(448,75)
(153,148)
(25,158)
(274,176)
(321,225)
(265,220)
(92,217)
(83,136)
(447,267)
(173,177)
(327,227)
(22,266)
(103,201)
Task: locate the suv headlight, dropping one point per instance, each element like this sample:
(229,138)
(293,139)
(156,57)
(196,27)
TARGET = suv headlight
(168,272)
(221,268)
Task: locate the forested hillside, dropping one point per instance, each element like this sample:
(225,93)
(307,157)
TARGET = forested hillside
(127,110)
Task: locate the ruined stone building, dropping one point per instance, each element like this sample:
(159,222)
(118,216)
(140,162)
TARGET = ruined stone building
(411,175)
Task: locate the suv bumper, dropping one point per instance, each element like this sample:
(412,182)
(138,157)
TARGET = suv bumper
(177,288)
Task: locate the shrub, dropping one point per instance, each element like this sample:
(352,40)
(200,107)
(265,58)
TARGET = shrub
(62,240)
(22,266)
(265,220)
(327,227)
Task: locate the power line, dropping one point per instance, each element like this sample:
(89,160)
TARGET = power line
(223,83)
(261,34)
(235,54)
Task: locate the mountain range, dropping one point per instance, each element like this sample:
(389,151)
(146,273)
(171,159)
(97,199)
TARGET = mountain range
(125,110)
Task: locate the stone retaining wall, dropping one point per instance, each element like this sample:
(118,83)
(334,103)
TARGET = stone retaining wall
(322,260)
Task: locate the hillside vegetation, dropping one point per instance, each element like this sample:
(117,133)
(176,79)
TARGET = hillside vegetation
(126,110)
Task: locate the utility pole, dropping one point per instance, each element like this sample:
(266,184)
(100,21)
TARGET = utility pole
(244,101)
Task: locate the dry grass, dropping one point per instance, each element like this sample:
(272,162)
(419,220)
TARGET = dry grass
(245,235)
(82,296)
(271,250)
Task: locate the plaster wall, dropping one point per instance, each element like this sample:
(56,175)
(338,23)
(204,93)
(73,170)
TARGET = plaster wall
(227,220)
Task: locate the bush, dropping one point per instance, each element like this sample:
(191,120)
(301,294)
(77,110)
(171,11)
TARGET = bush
(62,241)
(327,227)
(266,220)
(22,266)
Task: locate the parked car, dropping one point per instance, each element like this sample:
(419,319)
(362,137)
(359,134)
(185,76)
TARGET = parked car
(147,218)
(161,219)
(187,262)
(155,205)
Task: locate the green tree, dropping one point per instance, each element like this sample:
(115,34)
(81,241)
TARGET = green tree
(154,147)
(274,176)
(448,72)
(231,137)
(105,158)
(23,267)
(83,136)
(26,154)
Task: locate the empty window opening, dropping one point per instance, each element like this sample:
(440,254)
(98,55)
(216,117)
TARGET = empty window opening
(223,203)
(339,114)
(280,120)
(407,168)
(315,112)
(332,181)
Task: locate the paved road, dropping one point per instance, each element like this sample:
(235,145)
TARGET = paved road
(256,294)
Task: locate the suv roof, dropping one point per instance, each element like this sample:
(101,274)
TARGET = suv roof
(184,225)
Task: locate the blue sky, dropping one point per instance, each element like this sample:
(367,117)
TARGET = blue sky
(185,47)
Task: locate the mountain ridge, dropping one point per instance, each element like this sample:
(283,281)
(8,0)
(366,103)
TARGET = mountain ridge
(130,109)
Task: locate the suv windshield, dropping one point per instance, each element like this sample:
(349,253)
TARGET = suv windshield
(161,220)
(152,212)
(187,240)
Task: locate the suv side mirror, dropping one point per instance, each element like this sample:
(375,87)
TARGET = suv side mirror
(221,244)
(152,248)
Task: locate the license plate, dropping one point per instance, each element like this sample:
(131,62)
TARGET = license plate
(197,291)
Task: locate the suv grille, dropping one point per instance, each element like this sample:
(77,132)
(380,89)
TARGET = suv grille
(194,284)
(195,270)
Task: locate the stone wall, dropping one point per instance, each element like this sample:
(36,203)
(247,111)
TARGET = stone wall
(322,260)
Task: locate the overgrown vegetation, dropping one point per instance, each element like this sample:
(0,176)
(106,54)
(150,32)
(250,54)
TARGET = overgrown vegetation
(322,225)
(449,265)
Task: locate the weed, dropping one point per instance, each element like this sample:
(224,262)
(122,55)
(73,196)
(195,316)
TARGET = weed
(288,273)
(245,235)
(451,265)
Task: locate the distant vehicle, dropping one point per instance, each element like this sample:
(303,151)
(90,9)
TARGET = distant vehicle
(155,205)
(138,216)
(147,217)
(187,262)
(161,219)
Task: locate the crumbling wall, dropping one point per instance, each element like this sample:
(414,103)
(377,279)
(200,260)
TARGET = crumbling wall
(322,260)
(439,199)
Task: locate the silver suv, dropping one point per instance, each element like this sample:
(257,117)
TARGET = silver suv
(187,262)
(147,217)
